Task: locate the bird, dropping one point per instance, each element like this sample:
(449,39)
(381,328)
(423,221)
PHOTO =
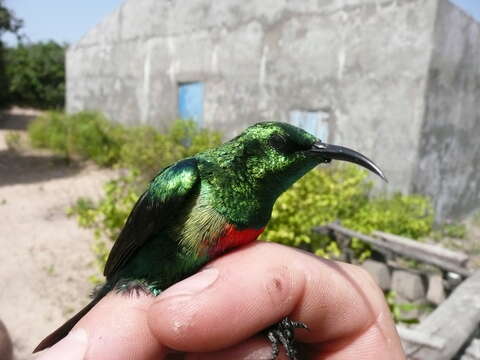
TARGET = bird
(199,207)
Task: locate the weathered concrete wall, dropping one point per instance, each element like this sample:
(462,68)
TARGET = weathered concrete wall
(363,61)
(449,152)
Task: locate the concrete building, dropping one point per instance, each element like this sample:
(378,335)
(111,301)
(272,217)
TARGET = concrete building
(395,79)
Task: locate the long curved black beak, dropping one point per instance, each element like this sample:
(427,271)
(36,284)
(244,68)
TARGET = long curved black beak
(334,152)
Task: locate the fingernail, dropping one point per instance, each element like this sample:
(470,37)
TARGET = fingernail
(72,347)
(192,285)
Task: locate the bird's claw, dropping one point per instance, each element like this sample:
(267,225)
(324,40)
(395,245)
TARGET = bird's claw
(284,333)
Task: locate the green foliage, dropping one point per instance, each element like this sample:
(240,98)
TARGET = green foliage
(343,193)
(93,137)
(3,78)
(109,214)
(49,131)
(36,74)
(142,149)
(451,230)
(407,215)
(147,150)
(8,21)
(86,134)
(320,197)
(400,310)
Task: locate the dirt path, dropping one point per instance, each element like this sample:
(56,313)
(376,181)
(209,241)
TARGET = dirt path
(45,258)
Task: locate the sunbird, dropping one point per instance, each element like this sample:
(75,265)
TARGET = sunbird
(198,208)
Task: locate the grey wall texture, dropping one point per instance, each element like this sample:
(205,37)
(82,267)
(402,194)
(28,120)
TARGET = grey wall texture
(448,165)
(396,77)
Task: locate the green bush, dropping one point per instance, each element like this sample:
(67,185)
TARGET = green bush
(92,136)
(143,149)
(86,134)
(146,150)
(407,215)
(343,193)
(50,131)
(36,74)
(400,310)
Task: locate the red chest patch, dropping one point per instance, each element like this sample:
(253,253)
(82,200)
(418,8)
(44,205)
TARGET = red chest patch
(233,237)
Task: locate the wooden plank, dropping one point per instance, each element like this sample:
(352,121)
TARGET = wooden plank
(455,257)
(454,321)
(384,246)
(414,336)
(351,233)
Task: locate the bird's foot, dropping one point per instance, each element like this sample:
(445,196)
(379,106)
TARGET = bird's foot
(137,287)
(283,333)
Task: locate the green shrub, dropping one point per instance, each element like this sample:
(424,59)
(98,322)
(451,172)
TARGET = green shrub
(49,131)
(407,215)
(86,134)
(147,150)
(91,136)
(343,193)
(451,230)
(320,197)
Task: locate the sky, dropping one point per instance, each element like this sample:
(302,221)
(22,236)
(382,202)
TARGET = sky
(68,21)
(59,20)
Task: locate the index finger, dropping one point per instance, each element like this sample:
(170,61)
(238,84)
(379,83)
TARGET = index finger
(257,285)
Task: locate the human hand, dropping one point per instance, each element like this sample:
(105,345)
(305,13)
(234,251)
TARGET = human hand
(219,313)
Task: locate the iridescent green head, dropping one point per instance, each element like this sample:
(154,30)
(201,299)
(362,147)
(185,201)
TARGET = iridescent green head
(274,147)
(276,152)
(269,157)
(280,153)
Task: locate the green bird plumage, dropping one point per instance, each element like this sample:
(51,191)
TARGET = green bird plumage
(199,207)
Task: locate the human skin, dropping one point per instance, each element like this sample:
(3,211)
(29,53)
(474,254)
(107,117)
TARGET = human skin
(219,313)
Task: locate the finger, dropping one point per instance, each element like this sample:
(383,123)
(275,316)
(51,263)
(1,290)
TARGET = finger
(117,329)
(256,348)
(256,286)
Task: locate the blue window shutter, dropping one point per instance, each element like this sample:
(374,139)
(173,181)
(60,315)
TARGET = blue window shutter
(190,101)
(314,122)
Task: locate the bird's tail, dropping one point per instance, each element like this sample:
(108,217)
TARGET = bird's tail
(63,330)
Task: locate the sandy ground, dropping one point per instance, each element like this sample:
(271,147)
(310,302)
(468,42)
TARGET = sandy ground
(45,258)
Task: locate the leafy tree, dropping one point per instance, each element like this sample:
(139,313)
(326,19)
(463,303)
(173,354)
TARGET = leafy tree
(36,74)
(8,23)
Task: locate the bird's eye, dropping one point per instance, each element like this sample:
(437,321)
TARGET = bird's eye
(282,145)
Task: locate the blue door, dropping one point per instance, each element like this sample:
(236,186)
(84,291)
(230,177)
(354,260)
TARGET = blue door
(190,101)
(314,122)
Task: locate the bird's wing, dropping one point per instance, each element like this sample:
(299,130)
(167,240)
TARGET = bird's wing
(162,201)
